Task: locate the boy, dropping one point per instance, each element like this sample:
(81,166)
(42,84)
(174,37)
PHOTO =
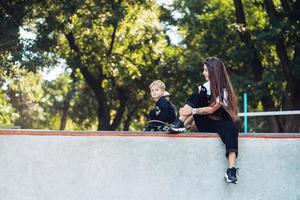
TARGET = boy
(163,111)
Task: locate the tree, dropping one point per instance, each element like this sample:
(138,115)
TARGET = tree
(116,46)
(254,60)
(285,26)
(23,93)
(256,46)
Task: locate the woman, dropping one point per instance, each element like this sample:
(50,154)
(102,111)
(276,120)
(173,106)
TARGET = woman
(214,109)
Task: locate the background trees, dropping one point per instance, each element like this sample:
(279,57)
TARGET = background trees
(255,40)
(113,50)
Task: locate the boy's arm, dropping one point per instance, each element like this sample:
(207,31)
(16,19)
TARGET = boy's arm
(164,111)
(151,115)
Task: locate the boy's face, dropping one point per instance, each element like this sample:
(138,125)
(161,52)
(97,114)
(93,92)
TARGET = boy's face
(156,92)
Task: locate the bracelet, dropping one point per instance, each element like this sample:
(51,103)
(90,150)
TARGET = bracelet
(194,111)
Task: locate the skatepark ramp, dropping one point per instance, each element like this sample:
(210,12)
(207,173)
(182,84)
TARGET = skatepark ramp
(53,165)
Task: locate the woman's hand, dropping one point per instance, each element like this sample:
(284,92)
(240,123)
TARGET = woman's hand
(185,110)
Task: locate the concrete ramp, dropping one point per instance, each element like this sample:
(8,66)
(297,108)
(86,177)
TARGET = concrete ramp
(46,165)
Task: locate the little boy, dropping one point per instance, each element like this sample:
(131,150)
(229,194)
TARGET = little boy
(163,111)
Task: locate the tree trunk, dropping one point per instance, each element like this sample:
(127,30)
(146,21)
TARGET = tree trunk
(63,120)
(96,85)
(127,123)
(121,109)
(255,63)
(291,102)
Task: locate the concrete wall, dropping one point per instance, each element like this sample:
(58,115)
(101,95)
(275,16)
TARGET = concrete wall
(142,167)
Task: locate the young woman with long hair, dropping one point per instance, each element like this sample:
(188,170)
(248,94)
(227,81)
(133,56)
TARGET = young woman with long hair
(214,108)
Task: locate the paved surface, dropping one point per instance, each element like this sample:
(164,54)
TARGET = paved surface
(53,167)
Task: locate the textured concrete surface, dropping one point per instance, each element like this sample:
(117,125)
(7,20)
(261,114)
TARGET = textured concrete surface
(148,168)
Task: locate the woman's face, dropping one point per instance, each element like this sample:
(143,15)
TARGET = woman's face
(205,72)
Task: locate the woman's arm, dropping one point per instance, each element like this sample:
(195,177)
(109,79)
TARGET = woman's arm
(206,110)
(187,110)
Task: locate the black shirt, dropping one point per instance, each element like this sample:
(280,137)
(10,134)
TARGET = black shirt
(164,111)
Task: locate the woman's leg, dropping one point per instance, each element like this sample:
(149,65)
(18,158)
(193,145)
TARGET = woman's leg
(188,121)
(231,172)
(203,123)
(231,159)
(186,118)
(229,135)
(194,127)
(196,100)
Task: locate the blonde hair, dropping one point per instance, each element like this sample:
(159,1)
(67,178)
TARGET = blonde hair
(158,83)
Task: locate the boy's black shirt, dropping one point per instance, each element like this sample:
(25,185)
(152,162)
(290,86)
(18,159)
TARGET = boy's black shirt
(163,111)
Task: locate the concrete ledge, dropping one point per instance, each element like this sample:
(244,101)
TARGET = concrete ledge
(139,133)
(36,164)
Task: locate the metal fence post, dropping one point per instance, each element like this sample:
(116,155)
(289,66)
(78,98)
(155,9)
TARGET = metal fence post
(245,111)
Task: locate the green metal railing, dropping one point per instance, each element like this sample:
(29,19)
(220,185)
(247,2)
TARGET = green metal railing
(247,114)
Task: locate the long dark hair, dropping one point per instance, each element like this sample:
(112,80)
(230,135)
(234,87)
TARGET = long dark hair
(219,81)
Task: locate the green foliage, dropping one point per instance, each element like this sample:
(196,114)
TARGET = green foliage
(130,58)
(209,28)
(7,112)
(21,94)
(115,49)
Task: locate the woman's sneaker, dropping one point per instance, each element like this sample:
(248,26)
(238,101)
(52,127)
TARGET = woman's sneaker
(177,127)
(231,175)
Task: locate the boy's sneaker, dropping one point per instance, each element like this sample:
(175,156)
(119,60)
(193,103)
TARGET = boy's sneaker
(177,127)
(231,175)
